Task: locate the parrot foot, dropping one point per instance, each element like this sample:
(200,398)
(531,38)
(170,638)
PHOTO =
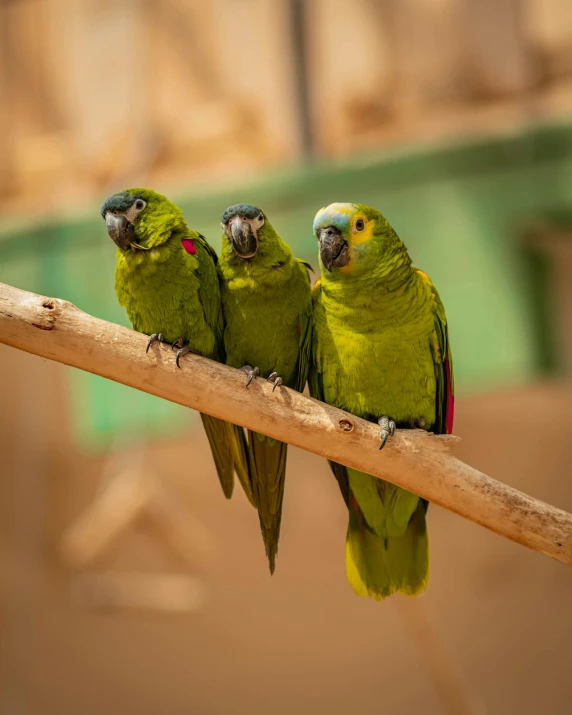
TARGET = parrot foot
(156,337)
(386,429)
(181,349)
(252,372)
(273,377)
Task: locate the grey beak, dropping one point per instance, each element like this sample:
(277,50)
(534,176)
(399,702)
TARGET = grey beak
(119,229)
(334,251)
(244,242)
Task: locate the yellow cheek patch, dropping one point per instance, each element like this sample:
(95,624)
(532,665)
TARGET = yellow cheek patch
(364,236)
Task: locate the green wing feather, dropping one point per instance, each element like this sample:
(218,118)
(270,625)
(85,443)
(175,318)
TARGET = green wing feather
(209,292)
(443,361)
(316,386)
(220,442)
(267,461)
(305,345)
(267,457)
(227,441)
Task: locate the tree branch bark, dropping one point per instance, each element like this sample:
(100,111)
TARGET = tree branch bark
(413,459)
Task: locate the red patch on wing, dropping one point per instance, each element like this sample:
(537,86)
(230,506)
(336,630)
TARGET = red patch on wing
(189,246)
(450,398)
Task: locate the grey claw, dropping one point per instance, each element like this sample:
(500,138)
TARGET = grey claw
(178,344)
(152,338)
(273,377)
(386,429)
(252,372)
(182,351)
(251,375)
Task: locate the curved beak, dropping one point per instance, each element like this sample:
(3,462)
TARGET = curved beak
(120,230)
(244,241)
(334,250)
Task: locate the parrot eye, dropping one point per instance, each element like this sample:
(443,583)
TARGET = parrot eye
(261,217)
(360,224)
(139,204)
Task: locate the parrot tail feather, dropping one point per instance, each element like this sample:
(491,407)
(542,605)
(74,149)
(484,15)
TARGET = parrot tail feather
(267,459)
(239,447)
(229,450)
(377,567)
(220,447)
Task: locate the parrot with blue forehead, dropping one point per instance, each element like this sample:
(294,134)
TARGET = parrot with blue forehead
(267,305)
(381,351)
(166,279)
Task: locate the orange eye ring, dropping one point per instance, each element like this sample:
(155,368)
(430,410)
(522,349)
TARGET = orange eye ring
(360,224)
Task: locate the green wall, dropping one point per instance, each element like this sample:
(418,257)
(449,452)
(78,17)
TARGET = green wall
(459,208)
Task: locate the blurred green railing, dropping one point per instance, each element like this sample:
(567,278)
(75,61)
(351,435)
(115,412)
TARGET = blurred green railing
(459,208)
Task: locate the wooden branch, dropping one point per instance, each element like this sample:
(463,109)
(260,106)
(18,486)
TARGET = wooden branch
(413,459)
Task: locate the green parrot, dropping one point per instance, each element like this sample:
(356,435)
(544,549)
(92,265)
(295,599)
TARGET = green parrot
(381,351)
(267,304)
(166,279)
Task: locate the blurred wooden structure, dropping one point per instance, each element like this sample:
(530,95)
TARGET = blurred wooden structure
(101,94)
(107,93)
(132,494)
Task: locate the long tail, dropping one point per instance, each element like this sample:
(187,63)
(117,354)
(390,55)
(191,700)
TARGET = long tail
(230,453)
(268,472)
(378,567)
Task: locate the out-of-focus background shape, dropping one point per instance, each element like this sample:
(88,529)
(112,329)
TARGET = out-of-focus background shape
(128,584)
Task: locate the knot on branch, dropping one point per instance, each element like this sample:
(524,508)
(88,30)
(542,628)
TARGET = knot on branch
(46,311)
(346,425)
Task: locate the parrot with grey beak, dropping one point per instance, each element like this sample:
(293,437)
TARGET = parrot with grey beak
(381,351)
(166,279)
(267,305)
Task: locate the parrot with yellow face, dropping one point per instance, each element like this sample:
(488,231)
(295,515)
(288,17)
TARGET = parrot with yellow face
(381,351)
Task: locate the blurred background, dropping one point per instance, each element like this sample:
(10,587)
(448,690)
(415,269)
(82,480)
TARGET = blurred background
(128,584)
